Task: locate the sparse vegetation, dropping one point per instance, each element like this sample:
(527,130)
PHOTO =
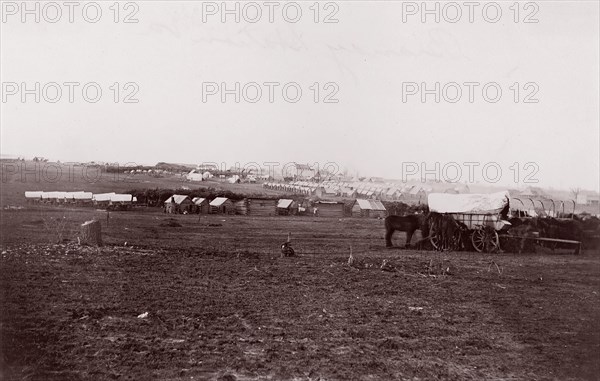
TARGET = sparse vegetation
(220,300)
(56,226)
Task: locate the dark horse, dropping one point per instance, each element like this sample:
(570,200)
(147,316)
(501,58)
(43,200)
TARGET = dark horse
(408,224)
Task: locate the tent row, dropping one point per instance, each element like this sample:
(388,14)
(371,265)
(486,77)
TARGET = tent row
(352,190)
(57,197)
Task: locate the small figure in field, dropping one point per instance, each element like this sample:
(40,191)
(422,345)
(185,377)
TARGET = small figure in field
(286,248)
(316,211)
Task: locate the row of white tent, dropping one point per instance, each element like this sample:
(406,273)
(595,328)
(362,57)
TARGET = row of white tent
(81,196)
(377,188)
(300,189)
(349,189)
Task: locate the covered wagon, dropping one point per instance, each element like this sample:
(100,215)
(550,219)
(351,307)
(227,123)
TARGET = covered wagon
(481,215)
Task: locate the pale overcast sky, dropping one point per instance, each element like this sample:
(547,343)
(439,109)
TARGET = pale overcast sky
(368,54)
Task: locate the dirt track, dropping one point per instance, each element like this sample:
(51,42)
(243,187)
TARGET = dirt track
(221,302)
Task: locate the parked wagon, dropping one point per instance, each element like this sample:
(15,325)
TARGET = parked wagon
(480,217)
(483,219)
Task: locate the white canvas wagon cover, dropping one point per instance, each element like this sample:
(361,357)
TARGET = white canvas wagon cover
(468,203)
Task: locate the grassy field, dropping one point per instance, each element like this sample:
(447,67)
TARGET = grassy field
(223,305)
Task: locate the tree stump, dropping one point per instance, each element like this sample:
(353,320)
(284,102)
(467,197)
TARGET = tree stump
(91,233)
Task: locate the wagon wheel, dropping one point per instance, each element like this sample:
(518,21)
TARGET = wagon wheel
(485,239)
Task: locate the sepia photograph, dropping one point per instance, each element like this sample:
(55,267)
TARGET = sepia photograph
(306,190)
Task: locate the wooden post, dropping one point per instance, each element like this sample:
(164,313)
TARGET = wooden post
(91,233)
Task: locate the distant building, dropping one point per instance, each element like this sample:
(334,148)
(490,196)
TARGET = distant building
(287,207)
(534,192)
(393,194)
(222,205)
(348,192)
(201,205)
(416,195)
(369,208)
(330,209)
(304,172)
(178,203)
(241,207)
(325,192)
(261,207)
(588,199)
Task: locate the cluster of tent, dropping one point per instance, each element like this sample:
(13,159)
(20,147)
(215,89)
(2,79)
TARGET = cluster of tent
(79,197)
(196,175)
(382,191)
(298,187)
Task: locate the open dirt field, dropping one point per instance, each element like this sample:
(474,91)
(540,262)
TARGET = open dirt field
(222,305)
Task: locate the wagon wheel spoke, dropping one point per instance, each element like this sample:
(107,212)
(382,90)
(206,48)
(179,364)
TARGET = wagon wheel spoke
(477,240)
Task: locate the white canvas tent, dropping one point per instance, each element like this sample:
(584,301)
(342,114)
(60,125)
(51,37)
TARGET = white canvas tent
(55,195)
(82,195)
(195,176)
(103,197)
(233,179)
(121,198)
(36,195)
